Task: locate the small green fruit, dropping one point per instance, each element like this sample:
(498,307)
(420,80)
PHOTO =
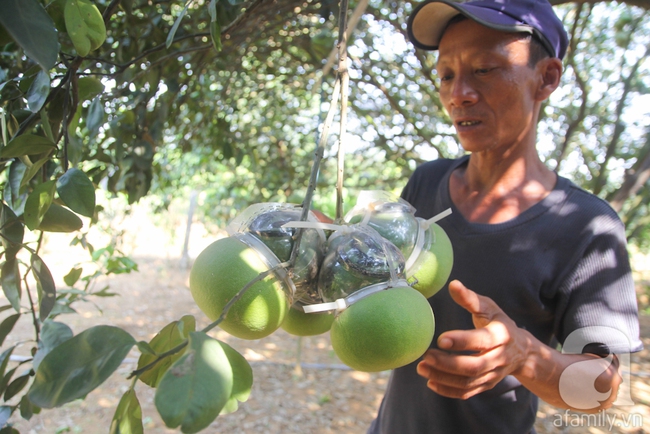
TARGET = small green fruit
(217,275)
(433,266)
(299,323)
(385,330)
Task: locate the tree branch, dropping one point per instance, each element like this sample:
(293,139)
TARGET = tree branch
(395,106)
(582,85)
(619,126)
(635,178)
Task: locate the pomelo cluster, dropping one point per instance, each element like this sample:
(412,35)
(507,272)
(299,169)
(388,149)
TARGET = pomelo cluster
(354,283)
(425,245)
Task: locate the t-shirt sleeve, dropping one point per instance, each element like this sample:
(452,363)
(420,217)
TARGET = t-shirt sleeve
(598,308)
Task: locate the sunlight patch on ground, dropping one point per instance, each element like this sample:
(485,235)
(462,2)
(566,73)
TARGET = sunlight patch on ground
(252,355)
(363,377)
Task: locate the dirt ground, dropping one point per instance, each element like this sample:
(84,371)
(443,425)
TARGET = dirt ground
(299,384)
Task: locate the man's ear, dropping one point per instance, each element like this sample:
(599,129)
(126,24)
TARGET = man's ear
(550,73)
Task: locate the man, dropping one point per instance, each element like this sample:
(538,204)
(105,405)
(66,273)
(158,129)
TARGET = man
(545,260)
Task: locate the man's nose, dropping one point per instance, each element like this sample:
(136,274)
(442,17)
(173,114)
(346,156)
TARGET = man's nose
(463,91)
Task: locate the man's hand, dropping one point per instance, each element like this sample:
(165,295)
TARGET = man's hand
(498,348)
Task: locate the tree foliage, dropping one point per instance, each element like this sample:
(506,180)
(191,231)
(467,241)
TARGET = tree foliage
(226,97)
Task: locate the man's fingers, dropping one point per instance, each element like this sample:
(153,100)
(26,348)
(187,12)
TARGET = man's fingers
(454,385)
(485,338)
(463,296)
(464,365)
(455,392)
(469,300)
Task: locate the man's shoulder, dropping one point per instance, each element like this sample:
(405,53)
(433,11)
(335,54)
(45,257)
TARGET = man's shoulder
(584,204)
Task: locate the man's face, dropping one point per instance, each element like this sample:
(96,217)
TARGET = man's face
(487,87)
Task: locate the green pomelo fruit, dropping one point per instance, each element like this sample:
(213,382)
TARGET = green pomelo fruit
(383,331)
(435,264)
(299,323)
(220,271)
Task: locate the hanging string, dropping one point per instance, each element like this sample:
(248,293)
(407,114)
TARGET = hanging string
(345,79)
(340,83)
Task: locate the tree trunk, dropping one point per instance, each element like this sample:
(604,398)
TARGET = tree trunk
(185,257)
(634,179)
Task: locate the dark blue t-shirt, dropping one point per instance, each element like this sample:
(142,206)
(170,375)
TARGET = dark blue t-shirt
(559,266)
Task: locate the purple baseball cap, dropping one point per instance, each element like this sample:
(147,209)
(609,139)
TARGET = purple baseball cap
(429,20)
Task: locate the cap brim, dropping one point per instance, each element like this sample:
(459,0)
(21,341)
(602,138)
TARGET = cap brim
(429,20)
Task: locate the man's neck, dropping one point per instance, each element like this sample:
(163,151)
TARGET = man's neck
(495,189)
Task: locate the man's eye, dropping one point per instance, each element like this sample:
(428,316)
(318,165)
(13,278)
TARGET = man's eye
(482,70)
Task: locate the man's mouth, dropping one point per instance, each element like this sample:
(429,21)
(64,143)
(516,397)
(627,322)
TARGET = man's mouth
(468,123)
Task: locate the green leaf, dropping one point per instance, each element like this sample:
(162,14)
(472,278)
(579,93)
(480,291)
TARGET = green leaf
(128,415)
(75,146)
(32,28)
(45,120)
(38,91)
(5,39)
(55,10)
(27,144)
(169,337)
(195,389)
(85,26)
(73,276)
(10,278)
(16,386)
(16,173)
(38,202)
(12,231)
(74,123)
(77,191)
(9,429)
(6,379)
(88,88)
(33,170)
(242,378)
(45,285)
(7,325)
(95,116)
(145,348)
(52,335)
(172,32)
(104,292)
(63,307)
(26,408)
(215,27)
(5,414)
(77,366)
(58,218)
(4,360)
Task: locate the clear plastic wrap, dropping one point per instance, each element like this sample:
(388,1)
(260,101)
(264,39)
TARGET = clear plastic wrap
(265,221)
(391,216)
(357,256)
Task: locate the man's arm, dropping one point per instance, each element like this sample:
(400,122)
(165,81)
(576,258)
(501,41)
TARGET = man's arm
(498,347)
